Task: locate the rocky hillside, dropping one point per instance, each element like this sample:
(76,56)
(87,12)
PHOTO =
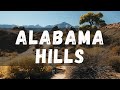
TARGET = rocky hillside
(112,33)
(114,25)
(7,42)
(100,62)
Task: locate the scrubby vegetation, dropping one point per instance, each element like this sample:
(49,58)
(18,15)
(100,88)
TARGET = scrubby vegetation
(101,62)
(25,68)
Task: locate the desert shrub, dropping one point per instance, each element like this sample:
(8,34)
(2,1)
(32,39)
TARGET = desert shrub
(4,72)
(114,61)
(116,50)
(69,71)
(25,68)
(90,66)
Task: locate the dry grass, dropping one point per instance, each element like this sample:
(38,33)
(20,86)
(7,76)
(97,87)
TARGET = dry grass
(4,71)
(116,50)
(91,67)
(25,68)
(114,61)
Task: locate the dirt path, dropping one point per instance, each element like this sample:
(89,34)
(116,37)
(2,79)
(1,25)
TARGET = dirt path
(60,73)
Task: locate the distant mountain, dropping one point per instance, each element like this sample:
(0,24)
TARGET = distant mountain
(64,25)
(33,26)
(49,26)
(60,25)
(7,26)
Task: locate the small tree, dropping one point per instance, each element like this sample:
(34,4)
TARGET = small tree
(94,20)
(55,28)
(14,28)
(72,28)
(22,28)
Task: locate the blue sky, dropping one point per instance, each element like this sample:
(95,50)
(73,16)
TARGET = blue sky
(44,18)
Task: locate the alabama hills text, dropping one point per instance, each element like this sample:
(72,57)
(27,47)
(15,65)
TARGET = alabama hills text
(57,40)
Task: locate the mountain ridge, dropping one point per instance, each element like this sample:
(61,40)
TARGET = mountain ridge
(60,25)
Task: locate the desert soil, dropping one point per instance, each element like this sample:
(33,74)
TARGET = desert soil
(60,73)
